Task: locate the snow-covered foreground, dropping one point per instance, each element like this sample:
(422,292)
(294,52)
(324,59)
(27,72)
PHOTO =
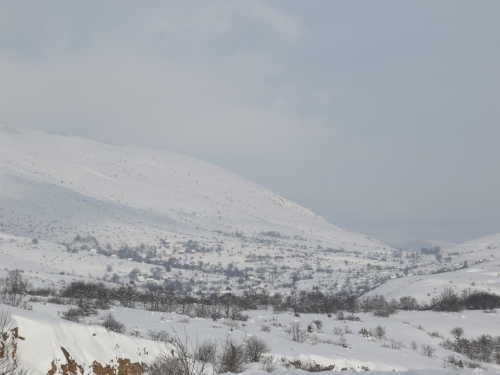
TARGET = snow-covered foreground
(411,372)
(336,343)
(46,339)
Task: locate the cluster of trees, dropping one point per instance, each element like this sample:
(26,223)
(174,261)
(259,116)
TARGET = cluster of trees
(449,300)
(14,288)
(435,250)
(223,357)
(89,296)
(484,348)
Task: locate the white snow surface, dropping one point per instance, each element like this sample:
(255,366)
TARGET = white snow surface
(54,187)
(483,272)
(45,333)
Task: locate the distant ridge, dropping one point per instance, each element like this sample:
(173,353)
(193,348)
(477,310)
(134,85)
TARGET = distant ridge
(55,186)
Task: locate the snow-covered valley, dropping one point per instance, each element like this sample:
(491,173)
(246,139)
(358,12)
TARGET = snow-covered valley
(73,210)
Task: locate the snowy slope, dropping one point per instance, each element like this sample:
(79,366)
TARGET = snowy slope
(54,187)
(483,271)
(45,336)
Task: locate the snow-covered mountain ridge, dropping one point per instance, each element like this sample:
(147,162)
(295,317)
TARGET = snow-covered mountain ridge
(154,206)
(54,187)
(197,217)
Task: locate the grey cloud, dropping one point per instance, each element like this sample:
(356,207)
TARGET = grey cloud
(382,117)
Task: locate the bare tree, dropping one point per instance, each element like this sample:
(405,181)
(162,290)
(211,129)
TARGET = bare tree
(112,324)
(232,357)
(206,352)
(268,363)
(448,300)
(428,350)
(14,288)
(179,361)
(255,348)
(297,333)
(183,359)
(379,332)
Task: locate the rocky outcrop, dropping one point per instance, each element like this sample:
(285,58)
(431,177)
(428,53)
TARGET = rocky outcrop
(122,366)
(9,346)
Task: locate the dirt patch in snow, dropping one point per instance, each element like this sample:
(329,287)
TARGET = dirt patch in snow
(122,366)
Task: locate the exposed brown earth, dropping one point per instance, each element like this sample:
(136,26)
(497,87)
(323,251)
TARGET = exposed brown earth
(123,366)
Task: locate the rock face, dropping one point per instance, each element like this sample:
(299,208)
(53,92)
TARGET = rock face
(9,337)
(122,366)
(58,347)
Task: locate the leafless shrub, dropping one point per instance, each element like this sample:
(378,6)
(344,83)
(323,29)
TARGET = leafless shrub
(206,352)
(296,333)
(342,342)
(14,288)
(56,301)
(232,357)
(453,361)
(394,345)
(318,323)
(428,350)
(255,348)
(436,334)
(112,324)
(268,363)
(265,328)
(136,332)
(447,344)
(178,362)
(351,317)
(315,340)
(162,336)
(338,331)
(310,366)
(379,332)
(365,332)
(473,365)
(73,315)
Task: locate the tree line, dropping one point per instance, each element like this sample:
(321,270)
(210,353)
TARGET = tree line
(89,296)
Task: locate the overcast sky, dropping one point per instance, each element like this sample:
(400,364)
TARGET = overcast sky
(383,117)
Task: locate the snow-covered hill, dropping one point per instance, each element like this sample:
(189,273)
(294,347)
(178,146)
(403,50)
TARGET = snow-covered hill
(54,187)
(164,206)
(202,219)
(48,342)
(335,342)
(475,264)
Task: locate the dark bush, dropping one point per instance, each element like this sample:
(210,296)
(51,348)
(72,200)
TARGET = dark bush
(255,348)
(112,324)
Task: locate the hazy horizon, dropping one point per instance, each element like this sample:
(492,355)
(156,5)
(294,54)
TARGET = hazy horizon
(380,117)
